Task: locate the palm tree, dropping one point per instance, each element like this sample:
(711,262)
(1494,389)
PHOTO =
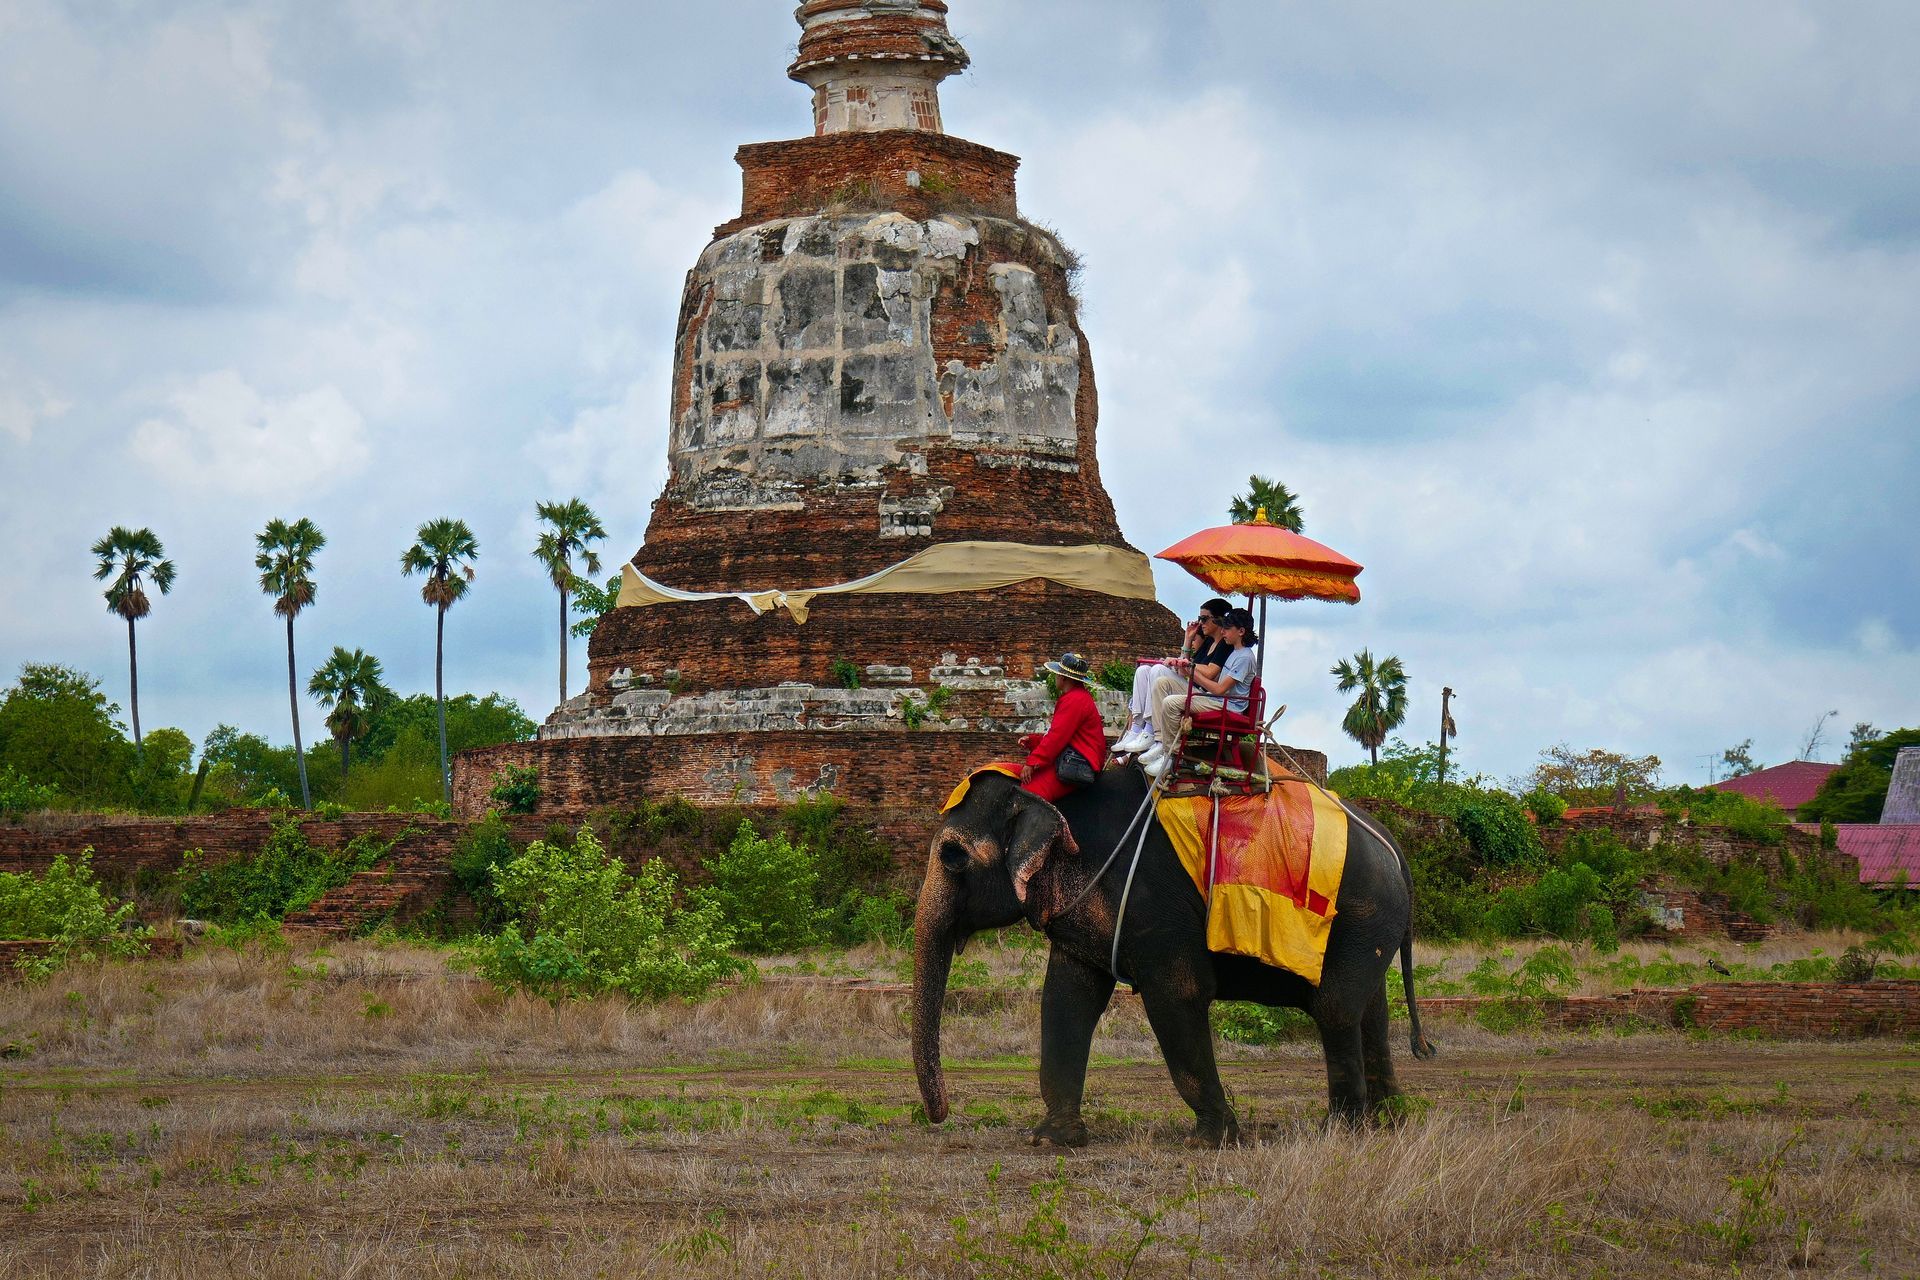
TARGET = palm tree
(285,561)
(444,550)
(571,527)
(1280,503)
(132,557)
(349,681)
(1382,705)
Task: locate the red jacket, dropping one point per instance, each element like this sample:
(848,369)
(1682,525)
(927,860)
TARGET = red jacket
(1076,723)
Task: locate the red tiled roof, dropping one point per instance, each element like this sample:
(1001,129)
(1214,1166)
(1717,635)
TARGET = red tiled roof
(1787,785)
(1880,850)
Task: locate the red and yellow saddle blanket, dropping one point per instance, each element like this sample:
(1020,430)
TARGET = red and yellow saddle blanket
(1270,870)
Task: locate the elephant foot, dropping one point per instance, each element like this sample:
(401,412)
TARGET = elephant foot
(1060,1133)
(1213,1136)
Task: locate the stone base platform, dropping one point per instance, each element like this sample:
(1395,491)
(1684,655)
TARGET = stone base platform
(895,768)
(978,697)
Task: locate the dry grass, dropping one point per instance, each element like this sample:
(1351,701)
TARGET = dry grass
(258,1114)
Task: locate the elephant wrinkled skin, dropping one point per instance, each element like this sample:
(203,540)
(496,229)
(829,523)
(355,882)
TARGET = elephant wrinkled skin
(1004,855)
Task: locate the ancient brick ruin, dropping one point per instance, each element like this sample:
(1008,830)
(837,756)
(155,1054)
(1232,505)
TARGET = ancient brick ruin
(879,355)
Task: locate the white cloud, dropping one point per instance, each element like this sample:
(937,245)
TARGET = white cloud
(25,404)
(221,433)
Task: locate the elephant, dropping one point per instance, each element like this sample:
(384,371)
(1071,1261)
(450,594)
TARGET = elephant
(1004,855)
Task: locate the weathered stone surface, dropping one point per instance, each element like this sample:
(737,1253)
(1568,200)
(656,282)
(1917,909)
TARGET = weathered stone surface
(879,354)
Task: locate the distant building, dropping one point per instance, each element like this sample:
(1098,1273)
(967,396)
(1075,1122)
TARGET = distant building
(1787,785)
(1903,793)
(1883,851)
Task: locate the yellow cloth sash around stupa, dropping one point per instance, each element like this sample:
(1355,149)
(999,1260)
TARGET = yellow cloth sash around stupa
(1275,870)
(941,569)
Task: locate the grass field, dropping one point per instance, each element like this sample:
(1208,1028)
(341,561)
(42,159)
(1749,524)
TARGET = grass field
(365,1112)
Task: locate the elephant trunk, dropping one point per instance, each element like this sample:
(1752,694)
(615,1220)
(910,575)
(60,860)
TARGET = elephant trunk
(933,947)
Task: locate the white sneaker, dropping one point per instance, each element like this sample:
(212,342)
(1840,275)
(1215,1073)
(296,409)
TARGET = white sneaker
(1156,767)
(1154,758)
(1137,739)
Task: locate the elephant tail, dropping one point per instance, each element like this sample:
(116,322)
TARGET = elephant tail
(1422,1047)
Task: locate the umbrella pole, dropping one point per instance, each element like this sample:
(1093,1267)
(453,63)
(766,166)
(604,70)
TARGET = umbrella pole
(1260,656)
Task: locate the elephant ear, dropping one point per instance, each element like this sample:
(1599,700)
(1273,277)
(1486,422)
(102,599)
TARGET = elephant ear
(1038,830)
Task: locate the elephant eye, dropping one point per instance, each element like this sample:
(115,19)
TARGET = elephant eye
(953,855)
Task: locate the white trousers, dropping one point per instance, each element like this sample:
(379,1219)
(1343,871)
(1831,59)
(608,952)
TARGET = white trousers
(1141,703)
(1170,703)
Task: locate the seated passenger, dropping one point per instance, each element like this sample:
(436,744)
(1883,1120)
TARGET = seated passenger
(1229,689)
(1201,650)
(1076,727)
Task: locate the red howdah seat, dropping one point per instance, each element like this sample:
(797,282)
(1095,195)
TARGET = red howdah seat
(1216,739)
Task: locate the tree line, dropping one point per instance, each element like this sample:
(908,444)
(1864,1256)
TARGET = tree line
(443,554)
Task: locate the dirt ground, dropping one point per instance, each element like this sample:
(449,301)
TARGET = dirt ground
(178,1127)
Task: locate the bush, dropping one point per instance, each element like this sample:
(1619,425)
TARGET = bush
(475,855)
(1758,820)
(1546,807)
(66,905)
(1117,674)
(764,890)
(1245,1023)
(19,794)
(1496,825)
(884,917)
(1556,904)
(285,876)
(1745,887)
(516,789)
(582,924)
(844,673)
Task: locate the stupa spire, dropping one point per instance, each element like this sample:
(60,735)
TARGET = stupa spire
(875,64)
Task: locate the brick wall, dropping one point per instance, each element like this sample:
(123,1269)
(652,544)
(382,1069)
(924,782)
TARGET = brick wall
(804,175)
(123,847)
(1795,1010)
(895,769)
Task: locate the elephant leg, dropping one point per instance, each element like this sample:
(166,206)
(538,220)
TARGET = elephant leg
(1180,1024)
(1072,999)
(1377,1054)
(1340,1040)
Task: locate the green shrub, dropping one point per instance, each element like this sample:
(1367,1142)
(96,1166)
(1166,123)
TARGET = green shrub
(285,876)
(66,905)
(1546,807)
(1496,825)
(1746,889)
(516,789)
(916,713)
(486,845)
(1117,674)
(18,794)
(764,889)
(1243,1022)
(582,924)
(880,917)
(844,673)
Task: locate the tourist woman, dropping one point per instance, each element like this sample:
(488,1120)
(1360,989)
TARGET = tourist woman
(1050,770)
(1228,689)
(1201,650)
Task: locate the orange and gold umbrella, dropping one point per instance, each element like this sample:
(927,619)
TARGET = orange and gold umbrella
(1264,560)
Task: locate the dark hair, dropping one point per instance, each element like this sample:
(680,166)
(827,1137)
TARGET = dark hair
(1217,607)
(1244,620)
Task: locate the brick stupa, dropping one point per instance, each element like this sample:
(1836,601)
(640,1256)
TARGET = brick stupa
(879,355)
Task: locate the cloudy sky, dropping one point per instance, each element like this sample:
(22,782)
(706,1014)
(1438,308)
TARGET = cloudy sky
(1592,330)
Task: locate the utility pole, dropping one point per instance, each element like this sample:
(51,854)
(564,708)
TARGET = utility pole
(1446,728)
